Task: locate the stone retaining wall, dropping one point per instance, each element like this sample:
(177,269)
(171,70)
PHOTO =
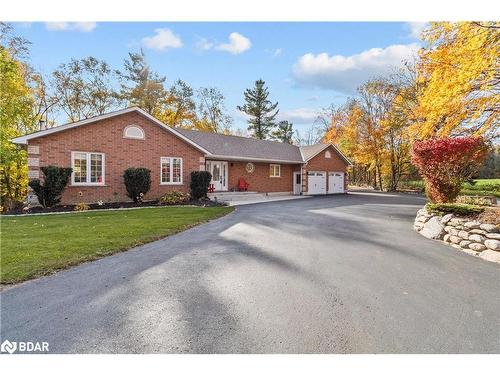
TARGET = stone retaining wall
(470,236)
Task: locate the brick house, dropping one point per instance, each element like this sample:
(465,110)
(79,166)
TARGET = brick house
(99,149)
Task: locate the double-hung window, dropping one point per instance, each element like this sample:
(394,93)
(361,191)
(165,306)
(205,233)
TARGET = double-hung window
(88,168)
(274,170)
(171,171)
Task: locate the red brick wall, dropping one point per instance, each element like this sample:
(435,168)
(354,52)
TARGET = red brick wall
(260,180)
(320,163)
(106,136)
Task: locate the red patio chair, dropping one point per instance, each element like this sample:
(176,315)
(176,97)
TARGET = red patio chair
(242,184)
(211,188)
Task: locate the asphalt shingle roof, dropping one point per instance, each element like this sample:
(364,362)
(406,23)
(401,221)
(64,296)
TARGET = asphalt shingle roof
(235,146)
(310,151)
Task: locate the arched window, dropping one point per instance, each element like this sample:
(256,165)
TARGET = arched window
(134,132)
(328,154)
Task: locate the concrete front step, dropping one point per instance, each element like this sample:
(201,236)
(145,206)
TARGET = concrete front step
(235,196)
(229,196)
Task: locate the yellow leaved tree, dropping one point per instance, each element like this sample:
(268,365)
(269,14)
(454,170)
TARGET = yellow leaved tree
(459,71)
(16,106)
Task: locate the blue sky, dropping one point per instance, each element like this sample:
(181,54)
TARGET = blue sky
(307,66)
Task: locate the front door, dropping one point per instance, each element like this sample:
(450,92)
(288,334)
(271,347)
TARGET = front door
(218,169)
(297,183)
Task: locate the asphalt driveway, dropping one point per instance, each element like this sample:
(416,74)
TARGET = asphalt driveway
(337,274)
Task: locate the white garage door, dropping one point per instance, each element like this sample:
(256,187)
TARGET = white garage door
(335,182)
(316,182)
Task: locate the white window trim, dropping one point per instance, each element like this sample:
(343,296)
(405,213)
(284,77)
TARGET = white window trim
(171,170)
(88,153)
(279,170)
(131,137)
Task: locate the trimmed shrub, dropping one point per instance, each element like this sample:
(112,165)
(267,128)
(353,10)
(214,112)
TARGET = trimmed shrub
(446,163)
(137,182)
(54,183)
(174,197)
(200,180)
(458,209)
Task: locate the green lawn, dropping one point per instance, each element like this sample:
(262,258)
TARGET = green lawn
(480,187)
(37,245)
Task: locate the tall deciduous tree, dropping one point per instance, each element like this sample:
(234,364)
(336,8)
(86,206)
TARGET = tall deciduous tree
(212,111)
(45,103)
(284,132)
(15,117)
(179,108)
(140,85)
(372,130)
(261,110)
(100,94)
(84,88)
(343,132)
(461,76)
(324,118)
(310,136)
(375,101)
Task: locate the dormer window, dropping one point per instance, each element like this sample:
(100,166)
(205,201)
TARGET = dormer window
(133,132)
(328,154)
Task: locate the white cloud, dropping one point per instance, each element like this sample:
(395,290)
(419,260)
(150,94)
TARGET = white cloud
(299,115)
(204,44)
(71,26)
(163,39)
(346,73)
(313,98)
(416,28)
(237,44)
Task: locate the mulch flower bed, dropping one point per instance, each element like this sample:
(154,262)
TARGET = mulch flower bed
(110,205)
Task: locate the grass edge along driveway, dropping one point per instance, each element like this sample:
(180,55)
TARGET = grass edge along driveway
(37,245)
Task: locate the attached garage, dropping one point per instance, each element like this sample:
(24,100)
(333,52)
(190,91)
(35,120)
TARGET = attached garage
(325,170)
(335,182)
(316,182)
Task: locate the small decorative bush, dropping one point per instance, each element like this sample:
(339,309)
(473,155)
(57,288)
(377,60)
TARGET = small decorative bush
(174,197)
(446,163)
(137,182)
(81,207)
(476,201)
(200,180)
(55,181)
(458,209)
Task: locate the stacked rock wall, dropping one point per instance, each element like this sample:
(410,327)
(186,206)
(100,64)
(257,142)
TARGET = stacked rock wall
(471,236)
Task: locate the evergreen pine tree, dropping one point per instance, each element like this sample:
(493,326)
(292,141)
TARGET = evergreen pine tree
(261,110)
